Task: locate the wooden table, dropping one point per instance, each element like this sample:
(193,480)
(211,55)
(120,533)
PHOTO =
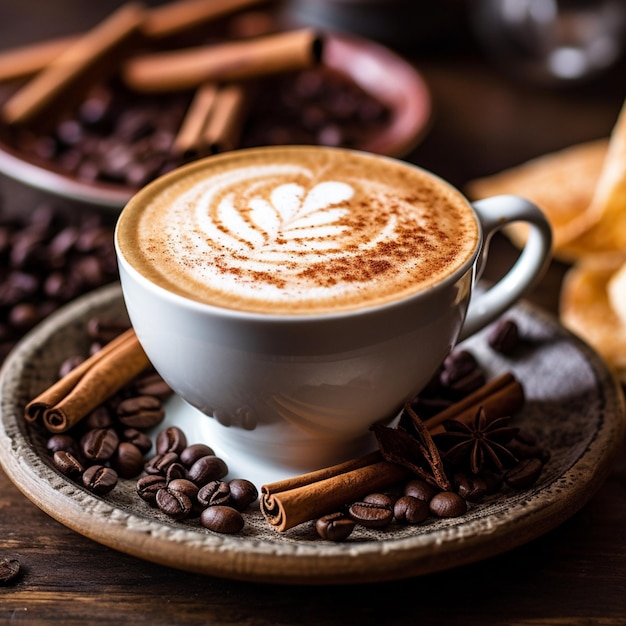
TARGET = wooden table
(576,574)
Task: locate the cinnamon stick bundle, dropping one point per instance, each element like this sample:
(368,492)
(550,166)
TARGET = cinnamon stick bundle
(232,61)
(290,502)
(84,388)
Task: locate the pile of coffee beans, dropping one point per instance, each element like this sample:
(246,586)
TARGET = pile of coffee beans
(46,260)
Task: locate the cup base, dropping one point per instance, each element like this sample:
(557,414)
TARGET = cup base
(283,459)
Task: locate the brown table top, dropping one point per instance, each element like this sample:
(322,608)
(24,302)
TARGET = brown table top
(576,574)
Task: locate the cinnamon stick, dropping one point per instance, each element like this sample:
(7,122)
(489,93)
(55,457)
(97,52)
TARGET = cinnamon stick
(189,136)
(292,501)
(76,64)
(225,123)
(71,398)
(232,61)
(176,17)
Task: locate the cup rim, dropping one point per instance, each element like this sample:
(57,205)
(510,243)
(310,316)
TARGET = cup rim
(237,314)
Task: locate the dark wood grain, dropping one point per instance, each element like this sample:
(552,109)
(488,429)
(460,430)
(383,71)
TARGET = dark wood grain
(574,575)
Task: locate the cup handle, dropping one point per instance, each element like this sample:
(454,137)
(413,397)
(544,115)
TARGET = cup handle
(494,214)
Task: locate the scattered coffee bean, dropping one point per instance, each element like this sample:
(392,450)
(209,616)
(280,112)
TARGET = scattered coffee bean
(99,479)
(410,510)
(141,412)
(174,504)
(99,444)
(470,486)
(206,469)
(524,474)
(214,493)
(127,460)
(381,499)
(419,489)
(243,493)
(504,337)
(222,519)
(149,485)
(447,504)
(160,463)
(370,515)
(194,452)
(335,526)
(172,439)
(185,486)
(461,373)
(174,471)
(9,569)
(137,438)
(67,464)
(63,442)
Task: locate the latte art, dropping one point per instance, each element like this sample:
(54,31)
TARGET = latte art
(298,231)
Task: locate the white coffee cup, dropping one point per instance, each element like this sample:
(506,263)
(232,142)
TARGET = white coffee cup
(295,391)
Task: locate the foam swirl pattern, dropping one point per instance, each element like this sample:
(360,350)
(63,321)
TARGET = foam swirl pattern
(300,231)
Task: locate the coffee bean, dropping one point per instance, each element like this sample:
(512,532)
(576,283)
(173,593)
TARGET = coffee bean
(160,463)
(67,464)
(370,515)
(214,493)
(148,486)
(152,384)
(410,510)
(172,439)
(137,438)
(9,569)
(63,442)
(504,337)
(174,504)
(243,493)
(524,474)
(470,487)
(194,452)
(206,469)
(140,412)
(99,444)
(419,489)
(335,526)
(128,460)
(461,373)
(185,486)
(447,504)
(174,471)
(222,519)
(99,479)
(381,499)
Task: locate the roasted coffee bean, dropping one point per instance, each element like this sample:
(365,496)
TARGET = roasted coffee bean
(206,469)
(140,412)
(100,417)
(461,373)
(524,474)
(410,510)
(504,337)
(243,493)
(381,499)
(222,519)
(67,464)
(370,515)
(194,452)
(99,444)
(172,439)
(9,569)
(335,526)
(128,460)
(99,479)
(147,487)
(183,486)
(214,493)
(174,471)
(104,330)
(174,504)
(419,489)
(447,504)
(137,438)
(64,442)
(160,463)
(470,487)
(152,384)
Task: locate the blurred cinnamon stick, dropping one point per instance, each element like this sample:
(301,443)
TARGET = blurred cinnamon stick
(232,61)
(84,61)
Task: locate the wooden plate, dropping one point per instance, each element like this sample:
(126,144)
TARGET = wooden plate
(574,405)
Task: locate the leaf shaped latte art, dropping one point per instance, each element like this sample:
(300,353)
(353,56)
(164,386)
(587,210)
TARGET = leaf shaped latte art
(291,214)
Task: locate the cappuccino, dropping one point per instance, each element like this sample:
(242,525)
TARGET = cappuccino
(297,230)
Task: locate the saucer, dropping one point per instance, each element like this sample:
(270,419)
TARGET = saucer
(573,404)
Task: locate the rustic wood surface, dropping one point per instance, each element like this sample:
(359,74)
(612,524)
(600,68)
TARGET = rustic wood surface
(574,575)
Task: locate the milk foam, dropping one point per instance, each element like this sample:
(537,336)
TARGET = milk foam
(296,235)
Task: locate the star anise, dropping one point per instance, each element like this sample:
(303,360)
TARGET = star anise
(478,444)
